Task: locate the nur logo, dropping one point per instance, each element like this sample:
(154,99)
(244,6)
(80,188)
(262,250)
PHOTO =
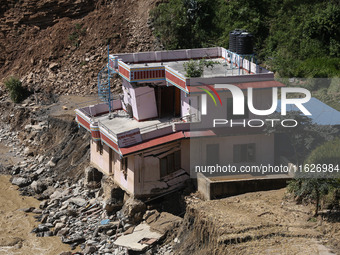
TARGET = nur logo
(238,102)
(204,98)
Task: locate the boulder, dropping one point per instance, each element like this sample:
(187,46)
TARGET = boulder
(28,151)
(50,164)
(38,186)
(58,227)
(29,209)
(21,181)
(40,171)
(77,201)
(89,249)
(41,158)
(63,232)
(134,209)
(111,207)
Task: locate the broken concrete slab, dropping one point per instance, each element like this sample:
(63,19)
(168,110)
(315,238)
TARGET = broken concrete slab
(134,241)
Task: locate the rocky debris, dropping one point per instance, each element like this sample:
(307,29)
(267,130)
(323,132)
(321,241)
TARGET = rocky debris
(89,216)
(60,46)
(134,209)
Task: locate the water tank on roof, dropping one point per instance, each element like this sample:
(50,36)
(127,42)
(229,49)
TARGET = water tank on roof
(244,43)
(232,39)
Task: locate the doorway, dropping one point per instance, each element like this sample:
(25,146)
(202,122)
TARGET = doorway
(168,101)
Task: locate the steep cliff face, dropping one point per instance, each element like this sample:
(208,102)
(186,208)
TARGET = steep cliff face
(61,45)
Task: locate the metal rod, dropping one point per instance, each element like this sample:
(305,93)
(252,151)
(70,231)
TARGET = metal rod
(108,78)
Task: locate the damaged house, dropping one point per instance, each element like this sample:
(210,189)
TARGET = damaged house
(148,137)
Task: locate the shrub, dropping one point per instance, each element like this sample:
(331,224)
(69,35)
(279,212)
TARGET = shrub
(16,91)
(76,33)
(193,68)
(196,68)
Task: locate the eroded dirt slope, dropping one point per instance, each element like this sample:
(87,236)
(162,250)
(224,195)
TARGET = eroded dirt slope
(266,222)
(61,45)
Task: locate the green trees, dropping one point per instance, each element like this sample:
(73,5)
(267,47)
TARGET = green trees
(184,24)
(316,145)
(16,91)
(303,138)
(314,186)
(295,38)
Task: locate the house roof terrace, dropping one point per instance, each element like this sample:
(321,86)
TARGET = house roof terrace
(168,66)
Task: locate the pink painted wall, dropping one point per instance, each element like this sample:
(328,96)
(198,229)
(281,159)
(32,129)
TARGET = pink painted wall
(142,100)
(157,56)
(102,161)
(143,172)
(128,183)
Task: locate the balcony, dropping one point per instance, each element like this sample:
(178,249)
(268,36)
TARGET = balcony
(120,130)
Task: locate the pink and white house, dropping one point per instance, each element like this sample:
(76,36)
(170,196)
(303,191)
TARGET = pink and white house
(156,126)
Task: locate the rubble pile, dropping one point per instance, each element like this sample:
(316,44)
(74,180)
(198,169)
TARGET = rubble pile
(61,46)
(78,211)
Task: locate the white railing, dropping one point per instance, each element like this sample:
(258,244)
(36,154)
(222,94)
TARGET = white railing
(184,119)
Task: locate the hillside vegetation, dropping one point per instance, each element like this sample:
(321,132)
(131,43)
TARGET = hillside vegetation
(294,38)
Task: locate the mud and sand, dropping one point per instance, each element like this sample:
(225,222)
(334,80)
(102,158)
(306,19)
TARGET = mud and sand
(16,225)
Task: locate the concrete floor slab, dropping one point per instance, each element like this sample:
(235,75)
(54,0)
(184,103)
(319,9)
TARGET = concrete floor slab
(122,123)
(131,241)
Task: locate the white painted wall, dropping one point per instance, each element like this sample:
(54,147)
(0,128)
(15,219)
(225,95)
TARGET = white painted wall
(264,145)
(262,100)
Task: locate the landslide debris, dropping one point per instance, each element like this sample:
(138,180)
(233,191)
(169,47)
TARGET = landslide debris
(61,45)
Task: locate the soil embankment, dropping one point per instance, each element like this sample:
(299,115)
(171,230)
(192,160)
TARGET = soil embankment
(268,222)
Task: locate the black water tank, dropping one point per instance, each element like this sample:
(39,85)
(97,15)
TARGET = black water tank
(244,43)
(232,39)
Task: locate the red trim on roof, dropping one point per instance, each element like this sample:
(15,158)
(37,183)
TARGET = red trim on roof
(83,122)
(152,143)
(108,141)
(255,85)
(174,79)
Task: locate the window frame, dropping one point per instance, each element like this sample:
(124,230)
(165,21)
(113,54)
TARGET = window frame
(124,166)
(241,153)
(170,163)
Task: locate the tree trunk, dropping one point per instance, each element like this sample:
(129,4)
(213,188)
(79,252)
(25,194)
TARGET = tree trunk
(317,201)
